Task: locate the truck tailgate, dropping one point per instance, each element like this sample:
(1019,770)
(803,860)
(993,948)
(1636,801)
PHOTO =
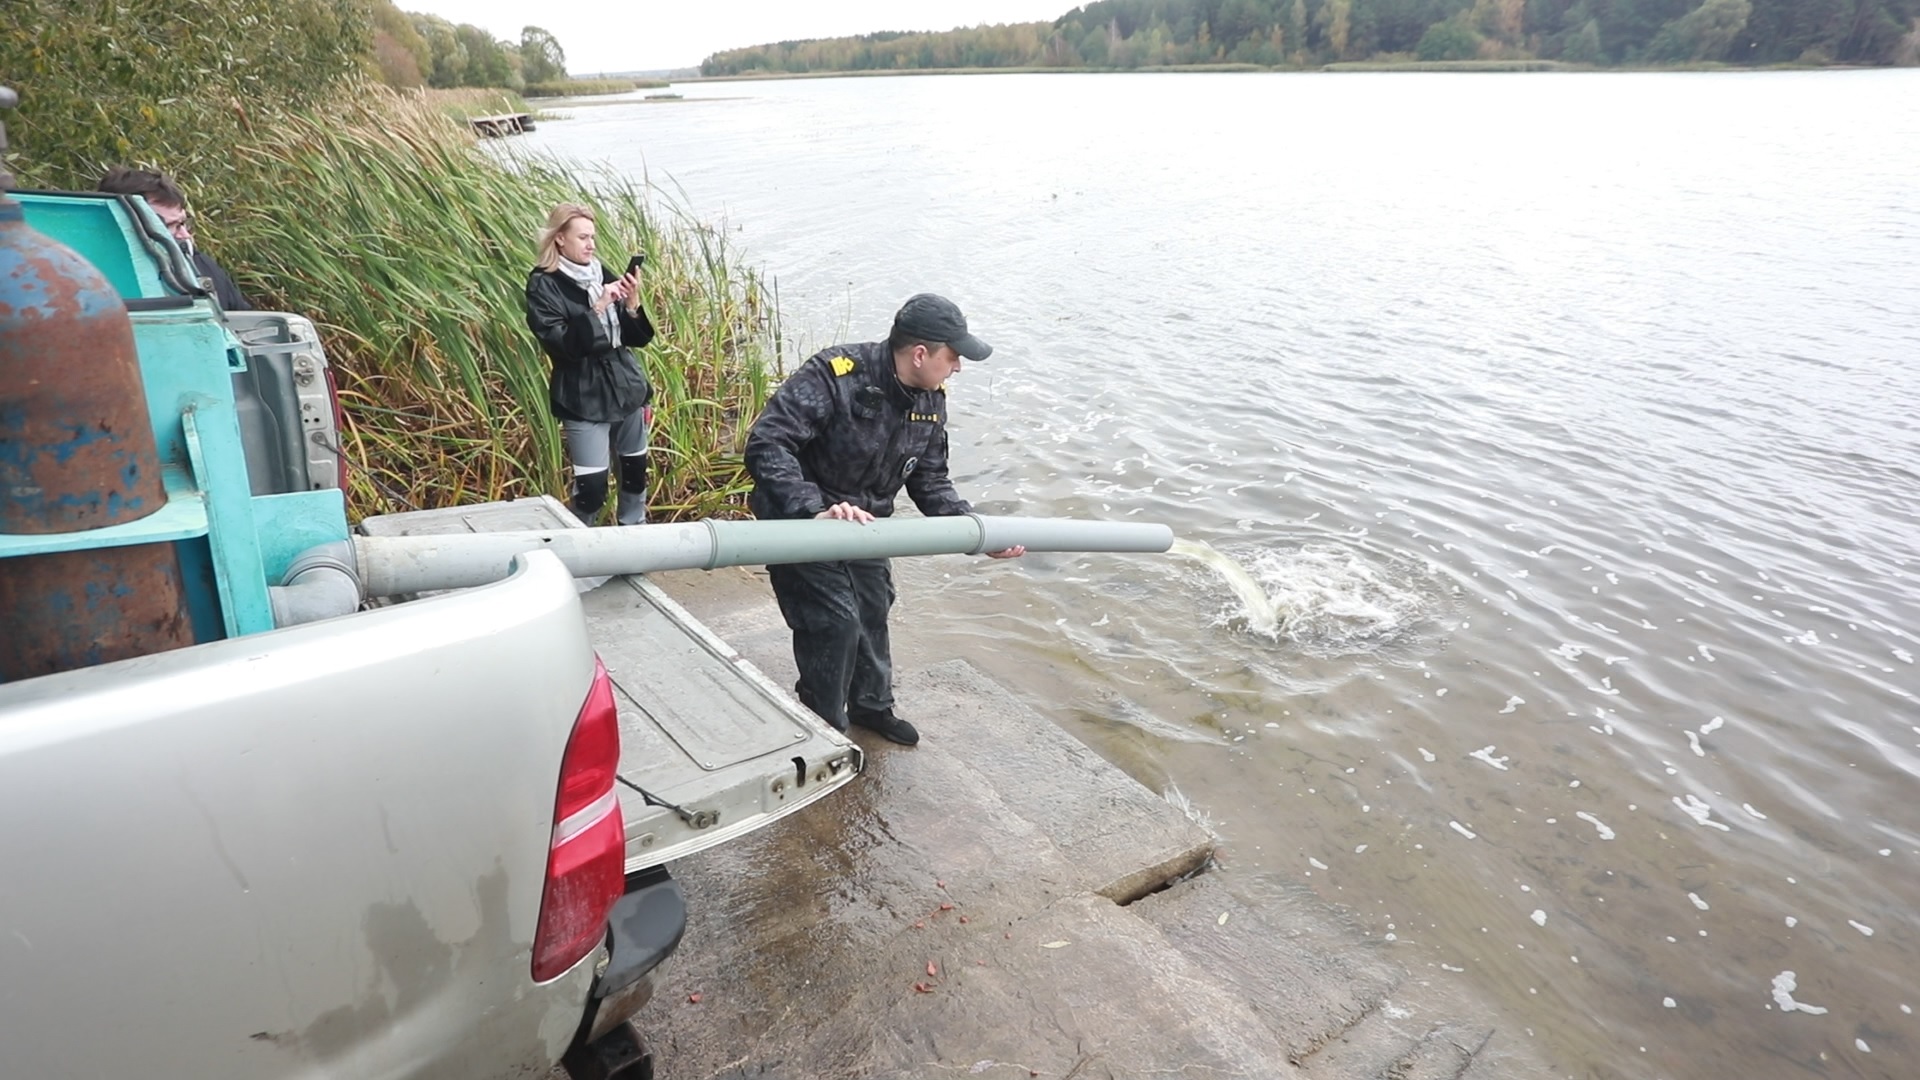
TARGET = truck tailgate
(710,747)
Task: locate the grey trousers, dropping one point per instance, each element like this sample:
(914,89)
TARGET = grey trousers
(591,448)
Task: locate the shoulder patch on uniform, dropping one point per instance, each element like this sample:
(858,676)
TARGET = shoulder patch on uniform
(841,364)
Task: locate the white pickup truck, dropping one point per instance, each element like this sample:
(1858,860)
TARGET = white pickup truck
(421,839)
(283,801)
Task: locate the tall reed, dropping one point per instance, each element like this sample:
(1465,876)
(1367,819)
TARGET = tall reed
(409,246)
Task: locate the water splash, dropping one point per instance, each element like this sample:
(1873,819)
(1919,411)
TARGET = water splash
(1261,612)
(1326,599)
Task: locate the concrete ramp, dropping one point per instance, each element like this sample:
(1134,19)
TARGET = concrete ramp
(1306,977)
(1000,902)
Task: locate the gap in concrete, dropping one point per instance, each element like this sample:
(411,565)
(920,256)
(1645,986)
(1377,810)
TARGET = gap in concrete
(1207,866)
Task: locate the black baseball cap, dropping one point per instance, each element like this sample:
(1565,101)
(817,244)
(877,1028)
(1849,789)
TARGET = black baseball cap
(936,318)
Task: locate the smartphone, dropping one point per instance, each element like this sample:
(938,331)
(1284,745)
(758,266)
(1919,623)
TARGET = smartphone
(633,264)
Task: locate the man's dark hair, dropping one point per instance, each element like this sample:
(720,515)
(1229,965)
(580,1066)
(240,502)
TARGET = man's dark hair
(157,187)
(899,339)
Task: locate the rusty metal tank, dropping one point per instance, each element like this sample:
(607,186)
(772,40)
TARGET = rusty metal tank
(77,454)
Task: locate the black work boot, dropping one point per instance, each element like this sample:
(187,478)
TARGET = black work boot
(886,724)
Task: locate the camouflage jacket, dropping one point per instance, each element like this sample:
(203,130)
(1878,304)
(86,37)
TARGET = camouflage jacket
(843,429)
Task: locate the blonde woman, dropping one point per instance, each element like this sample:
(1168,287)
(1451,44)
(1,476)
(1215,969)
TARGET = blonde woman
(588,320)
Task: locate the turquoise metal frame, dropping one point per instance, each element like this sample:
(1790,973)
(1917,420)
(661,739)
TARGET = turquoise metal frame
(232,544)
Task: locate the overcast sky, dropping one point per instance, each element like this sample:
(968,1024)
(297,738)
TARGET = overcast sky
(644,35)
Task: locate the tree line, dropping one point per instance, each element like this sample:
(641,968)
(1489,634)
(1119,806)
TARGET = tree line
(1130,34)
(105,82)
(409,50)
(183,80)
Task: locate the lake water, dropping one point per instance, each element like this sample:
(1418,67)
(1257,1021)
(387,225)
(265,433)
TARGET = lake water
(1569,423)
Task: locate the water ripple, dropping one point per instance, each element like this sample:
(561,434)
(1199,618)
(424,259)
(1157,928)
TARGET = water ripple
(1596,448)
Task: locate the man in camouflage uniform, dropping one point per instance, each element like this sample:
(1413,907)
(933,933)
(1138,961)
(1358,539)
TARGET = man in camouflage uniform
(839,439)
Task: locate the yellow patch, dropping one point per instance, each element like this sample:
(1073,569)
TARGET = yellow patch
(932,418)
(841,364)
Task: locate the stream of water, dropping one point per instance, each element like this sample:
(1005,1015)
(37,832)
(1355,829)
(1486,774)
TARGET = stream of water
(1260,614)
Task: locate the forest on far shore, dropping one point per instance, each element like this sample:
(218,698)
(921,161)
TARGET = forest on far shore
(1132,34)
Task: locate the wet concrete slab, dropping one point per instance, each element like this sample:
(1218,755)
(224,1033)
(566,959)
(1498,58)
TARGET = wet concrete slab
(999,901)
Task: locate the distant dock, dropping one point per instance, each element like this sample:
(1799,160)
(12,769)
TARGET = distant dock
(501,124)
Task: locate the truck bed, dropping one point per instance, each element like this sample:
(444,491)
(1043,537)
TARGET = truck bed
(710,747)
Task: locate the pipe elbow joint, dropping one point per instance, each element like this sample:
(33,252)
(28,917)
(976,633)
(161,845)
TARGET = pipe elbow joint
(322,582)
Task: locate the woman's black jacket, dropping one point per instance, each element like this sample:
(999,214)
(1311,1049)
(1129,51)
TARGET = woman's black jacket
(594,378)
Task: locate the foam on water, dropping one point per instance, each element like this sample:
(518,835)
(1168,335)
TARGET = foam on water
(1599,826)
(1339,599)
(1699,811)
(1784,985)
(1486,754)
(1327,598)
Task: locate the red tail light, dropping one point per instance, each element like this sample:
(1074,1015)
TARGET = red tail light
(586,866)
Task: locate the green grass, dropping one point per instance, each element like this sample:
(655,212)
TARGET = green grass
(467,102)
(589,87)
(884,73)
(1448,65)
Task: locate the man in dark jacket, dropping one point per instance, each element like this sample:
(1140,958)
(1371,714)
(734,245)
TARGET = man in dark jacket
(839,439)
(170,204)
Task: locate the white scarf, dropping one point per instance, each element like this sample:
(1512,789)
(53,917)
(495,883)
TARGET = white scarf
(589,277)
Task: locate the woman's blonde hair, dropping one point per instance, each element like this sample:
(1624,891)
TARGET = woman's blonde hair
(557,222)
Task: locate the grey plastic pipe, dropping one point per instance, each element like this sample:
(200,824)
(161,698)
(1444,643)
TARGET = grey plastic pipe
(322,582)
(390,565)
